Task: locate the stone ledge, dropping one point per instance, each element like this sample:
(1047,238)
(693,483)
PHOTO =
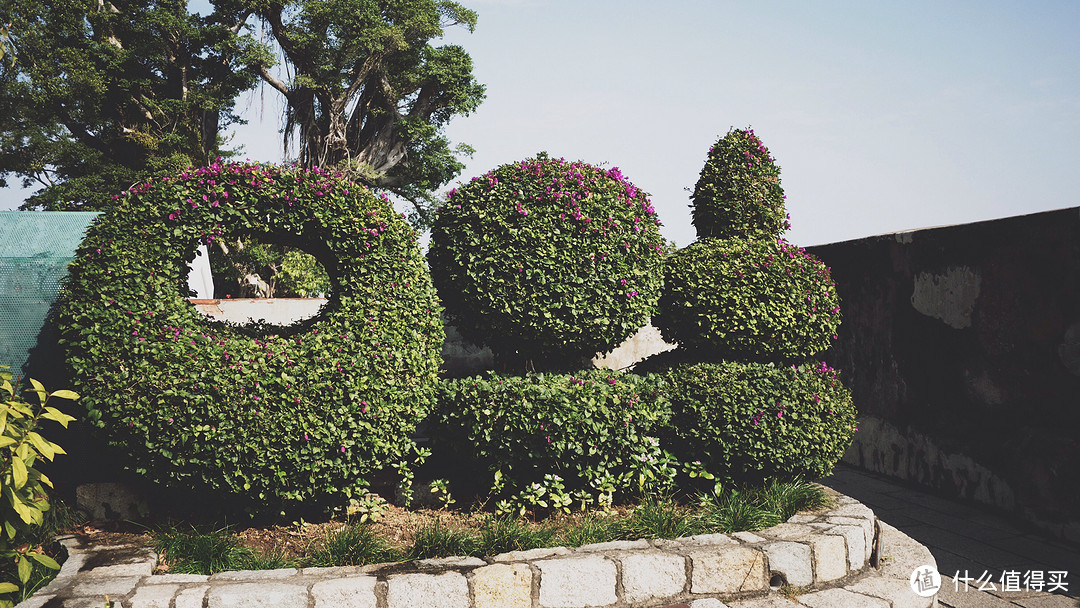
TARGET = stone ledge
(822,556)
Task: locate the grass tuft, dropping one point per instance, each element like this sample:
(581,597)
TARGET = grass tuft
(436,540)
(353,545)
(503,534)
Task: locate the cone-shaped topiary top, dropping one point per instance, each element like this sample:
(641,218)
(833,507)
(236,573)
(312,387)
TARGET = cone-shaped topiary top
(739,193)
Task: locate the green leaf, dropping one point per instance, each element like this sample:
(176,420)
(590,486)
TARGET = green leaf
(24,569)
(39,389)
(45,560)
(65,394)
(43,447)
(18,472)
(51,413)
(8,587)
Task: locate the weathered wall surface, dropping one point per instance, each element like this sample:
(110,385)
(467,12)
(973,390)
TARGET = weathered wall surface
(962,349)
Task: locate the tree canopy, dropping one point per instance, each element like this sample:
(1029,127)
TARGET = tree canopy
(367,90)
(101,94)
(104,93)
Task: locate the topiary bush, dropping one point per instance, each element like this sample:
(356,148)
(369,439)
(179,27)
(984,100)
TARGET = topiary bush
(748,300)
(275,418)
(738,193)
(547,260)
(593,430)
(748,422)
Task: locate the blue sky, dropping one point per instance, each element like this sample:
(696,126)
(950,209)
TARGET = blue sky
(882,116)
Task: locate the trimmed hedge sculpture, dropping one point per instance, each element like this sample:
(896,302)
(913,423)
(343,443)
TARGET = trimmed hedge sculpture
(595,430)
(751,421)
(738,194)
(748,300)
(749,311)
(547,261)
(280,419)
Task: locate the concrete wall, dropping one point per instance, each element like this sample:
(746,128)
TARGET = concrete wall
(962,348)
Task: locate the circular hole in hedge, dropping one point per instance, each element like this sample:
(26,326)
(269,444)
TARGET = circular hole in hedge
(257,280)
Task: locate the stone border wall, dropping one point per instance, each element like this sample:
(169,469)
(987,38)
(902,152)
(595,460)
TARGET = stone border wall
(808,551)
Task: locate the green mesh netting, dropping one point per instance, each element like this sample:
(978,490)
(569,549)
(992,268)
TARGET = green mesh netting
(35,250)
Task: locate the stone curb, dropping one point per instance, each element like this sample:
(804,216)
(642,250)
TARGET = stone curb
(822,560)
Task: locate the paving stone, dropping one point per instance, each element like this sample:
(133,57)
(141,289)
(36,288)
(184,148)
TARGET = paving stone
(830,557)
(521,556)
(896,591)
(79,602)
(328,571)
(37,601)
(116,586)
(1047,601)
(708,603)
(167,579)
(145,568)
(789,531)
(867,526)
(457,561)
(853,510)
(502,586)
(799,518)
(615,545)
(832,598)
(856,544)
(904,554)
(448,590)
(256,575)
(728,570)
(154,596)
(191,597)
(698,540)
(765,602)
(262,594)
(348,592)
(577,581)
(792,561)
(953,595)
(647,576)
(749,537)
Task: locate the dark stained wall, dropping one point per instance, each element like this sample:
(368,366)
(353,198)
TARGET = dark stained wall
(962,348)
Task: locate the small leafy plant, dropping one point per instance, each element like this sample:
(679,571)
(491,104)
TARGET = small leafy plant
(23,499)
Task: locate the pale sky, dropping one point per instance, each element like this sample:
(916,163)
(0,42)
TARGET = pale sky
(882,116)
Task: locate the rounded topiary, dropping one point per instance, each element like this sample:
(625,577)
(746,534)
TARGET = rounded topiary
(596,429)
(547,260)
(273,419)
(747,422)
(739,193)
(748,300)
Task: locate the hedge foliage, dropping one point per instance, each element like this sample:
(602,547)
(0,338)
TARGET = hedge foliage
(594,429)
(749,300)
(748,422)
(547,260)
(738,194)
(278,418)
